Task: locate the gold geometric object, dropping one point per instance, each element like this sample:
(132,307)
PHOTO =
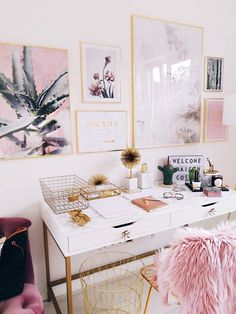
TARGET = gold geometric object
(78,217)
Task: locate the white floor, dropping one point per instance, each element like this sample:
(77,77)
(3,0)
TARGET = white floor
(155,306)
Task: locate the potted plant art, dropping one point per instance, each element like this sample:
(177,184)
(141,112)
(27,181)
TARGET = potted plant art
(130,158)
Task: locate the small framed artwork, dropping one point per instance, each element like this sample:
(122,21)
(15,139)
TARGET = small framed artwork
(100,73)
(214,130)
(99,131)
(214,67)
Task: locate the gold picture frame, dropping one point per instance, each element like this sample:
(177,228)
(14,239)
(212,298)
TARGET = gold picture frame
(34,99)
(100,130)
(214,130)
(214,69)
(166,83)
(100,73)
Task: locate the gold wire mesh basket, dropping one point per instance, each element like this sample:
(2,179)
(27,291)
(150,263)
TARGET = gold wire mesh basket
(63,193)
(116,288)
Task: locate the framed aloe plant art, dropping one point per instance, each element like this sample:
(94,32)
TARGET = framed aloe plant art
(34,102)
(100,73)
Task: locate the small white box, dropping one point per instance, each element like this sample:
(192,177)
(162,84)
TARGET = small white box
(145,180)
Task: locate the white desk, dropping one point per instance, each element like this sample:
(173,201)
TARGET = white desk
(100,232)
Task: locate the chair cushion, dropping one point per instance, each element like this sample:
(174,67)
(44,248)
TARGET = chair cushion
(12,264)
(28,302)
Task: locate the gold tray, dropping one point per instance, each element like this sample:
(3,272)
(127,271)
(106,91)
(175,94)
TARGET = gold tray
(100,191)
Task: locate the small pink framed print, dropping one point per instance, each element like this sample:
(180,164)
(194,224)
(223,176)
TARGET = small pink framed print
(214,130)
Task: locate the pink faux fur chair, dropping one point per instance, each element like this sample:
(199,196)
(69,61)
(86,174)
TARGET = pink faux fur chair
(29,301)
(200,269)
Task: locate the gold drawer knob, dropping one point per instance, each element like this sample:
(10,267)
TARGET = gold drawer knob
(212,212)
(126,235)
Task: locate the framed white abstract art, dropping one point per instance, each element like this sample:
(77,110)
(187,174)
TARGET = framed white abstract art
(167,67)
(99,131)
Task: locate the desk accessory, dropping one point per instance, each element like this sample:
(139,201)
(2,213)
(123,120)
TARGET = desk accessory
(148,203)
(130,158)
(94,192)
(98,179)
(80,218)
(211,169)
(168,170)
(145,178)
(99,187)
(120,207)
(63,193)
(189,185)
(177,195)
(212,191)
(217,180)
(193,175)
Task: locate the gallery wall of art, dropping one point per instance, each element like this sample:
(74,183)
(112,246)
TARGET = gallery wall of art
(62,42)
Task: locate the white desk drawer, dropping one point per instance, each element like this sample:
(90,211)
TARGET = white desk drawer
(90,240)
(103,237)
(197,213)
(150,225)
(189,215)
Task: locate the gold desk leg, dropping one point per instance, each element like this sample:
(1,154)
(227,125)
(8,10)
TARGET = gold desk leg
(229,217)
(45,238)
(147,301)
(69,285)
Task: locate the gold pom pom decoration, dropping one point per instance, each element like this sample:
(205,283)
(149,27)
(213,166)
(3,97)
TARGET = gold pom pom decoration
(98,179)
(130,158)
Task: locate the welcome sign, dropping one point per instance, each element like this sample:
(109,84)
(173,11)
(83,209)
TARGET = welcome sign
(184,163)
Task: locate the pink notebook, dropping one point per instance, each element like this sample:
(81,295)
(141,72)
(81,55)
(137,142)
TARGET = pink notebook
(148,203)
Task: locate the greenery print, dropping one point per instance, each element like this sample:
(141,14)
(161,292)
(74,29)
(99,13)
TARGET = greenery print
(103,86)
(32,109)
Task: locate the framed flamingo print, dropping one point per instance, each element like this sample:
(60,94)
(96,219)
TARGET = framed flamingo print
(34,102)
(100,73)
(214,130)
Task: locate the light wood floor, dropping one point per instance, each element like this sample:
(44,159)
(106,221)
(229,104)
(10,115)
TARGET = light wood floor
(154,306)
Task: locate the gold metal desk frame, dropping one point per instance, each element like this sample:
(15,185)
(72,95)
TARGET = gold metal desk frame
(69,277)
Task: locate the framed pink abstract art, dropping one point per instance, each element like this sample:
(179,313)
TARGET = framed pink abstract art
(214,130)
(34,102)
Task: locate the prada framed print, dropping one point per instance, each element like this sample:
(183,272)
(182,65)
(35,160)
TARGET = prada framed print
(99,131)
